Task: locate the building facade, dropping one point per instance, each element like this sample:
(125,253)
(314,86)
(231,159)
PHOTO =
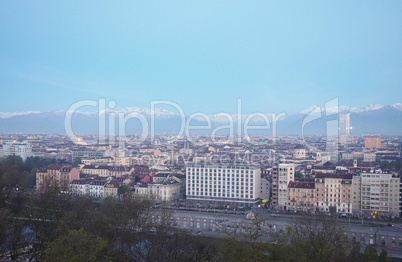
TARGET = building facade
(372,142)
(282,174)
(265,188)
(166,190)
(56,176)
(79,187)
(377,193)
(97,188)
(22,149)
(238,184)
(111,189)
(301,196)
(334,193)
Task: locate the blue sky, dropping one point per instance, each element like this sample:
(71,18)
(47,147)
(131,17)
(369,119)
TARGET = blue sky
(277,56)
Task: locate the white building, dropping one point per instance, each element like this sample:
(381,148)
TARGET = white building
(369,157)
(97,189)
(167,189)
(79,187)
(281,176)
(232,183)
(22,149)
(376,193)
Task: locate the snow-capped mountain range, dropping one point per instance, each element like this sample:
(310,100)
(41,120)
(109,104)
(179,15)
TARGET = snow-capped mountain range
(356,109)
(372,118)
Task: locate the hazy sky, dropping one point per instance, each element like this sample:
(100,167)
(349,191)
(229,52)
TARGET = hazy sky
(204,55)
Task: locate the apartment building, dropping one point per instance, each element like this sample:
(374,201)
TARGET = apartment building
(111,189)
(376,193)
(88,154)
(97,188)
(55,175)
(301,196)
(106,171)
(230,183)
(166,190)
(282,174)
(265,188)
(373,141)
(79,187)
(334,193)
(369,157)
(22,149)
(102,171)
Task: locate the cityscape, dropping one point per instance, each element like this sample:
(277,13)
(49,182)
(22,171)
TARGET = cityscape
(184,132)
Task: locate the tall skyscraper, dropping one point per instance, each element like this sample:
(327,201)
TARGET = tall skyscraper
(344,124)
(344,129)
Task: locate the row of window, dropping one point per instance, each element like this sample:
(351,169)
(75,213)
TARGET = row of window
(221,195)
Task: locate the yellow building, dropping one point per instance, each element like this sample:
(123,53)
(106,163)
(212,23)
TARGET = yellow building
(56,176)
(111,189)
(301,196)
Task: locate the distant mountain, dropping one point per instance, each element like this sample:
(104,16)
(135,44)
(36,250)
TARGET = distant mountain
(350,109)
(385,120)
(366,119)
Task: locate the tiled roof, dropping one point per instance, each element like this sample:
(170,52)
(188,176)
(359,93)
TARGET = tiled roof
(296,184)
(338,175)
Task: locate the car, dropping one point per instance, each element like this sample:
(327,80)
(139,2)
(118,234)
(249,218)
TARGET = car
(390,225)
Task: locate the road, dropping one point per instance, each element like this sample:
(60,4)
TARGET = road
(219,224)
(285,219)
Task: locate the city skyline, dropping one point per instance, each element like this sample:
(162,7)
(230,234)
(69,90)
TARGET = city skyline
(200,130)
(203,56)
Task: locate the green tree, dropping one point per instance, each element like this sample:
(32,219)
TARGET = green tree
(317,237)
(4,217)
(123,190)
(397,165)
(298,174)
(355,254)
(370,254)
(235,250)
(77,245)
(383,256)
(47,210)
